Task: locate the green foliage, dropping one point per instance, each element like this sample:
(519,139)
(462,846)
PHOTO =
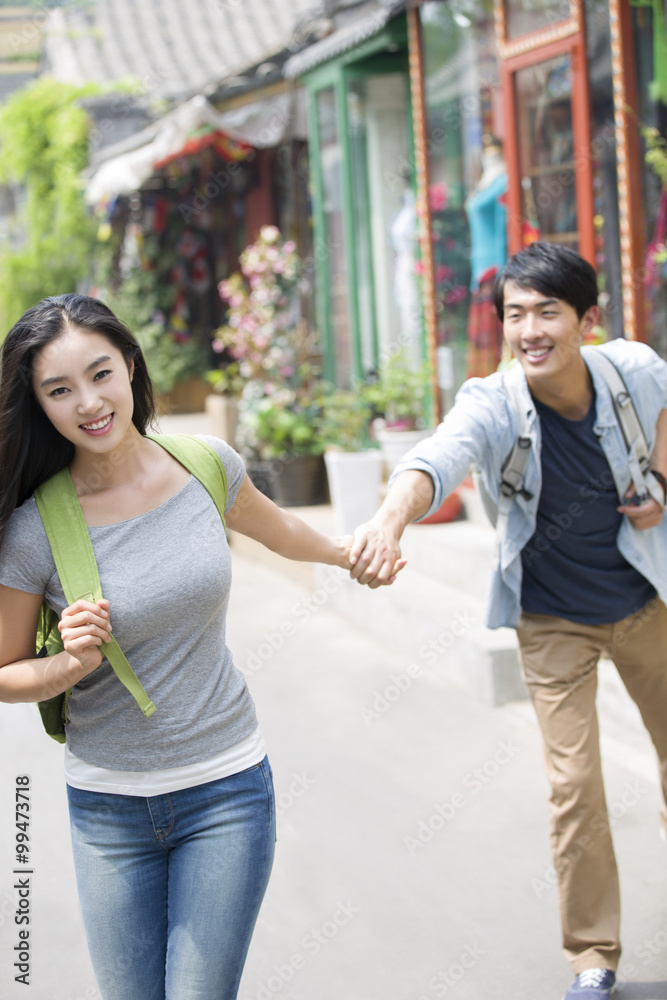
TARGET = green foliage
(140,303)
(43,148)
(401,392)
(344,420)
(169,360)
(284,423)
(656,152)
(226,381)
(656,157)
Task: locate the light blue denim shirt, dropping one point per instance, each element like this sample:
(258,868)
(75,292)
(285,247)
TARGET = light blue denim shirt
(480,430)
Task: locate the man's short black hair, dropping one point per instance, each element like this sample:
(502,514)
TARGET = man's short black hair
(553,270)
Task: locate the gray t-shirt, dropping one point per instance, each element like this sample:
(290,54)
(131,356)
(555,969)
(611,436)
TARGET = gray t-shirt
(167,576)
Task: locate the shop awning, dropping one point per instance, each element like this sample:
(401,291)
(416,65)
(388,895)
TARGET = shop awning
(186,130)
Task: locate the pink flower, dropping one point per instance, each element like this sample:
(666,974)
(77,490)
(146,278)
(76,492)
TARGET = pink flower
(438,196)
(443,273)
(218,346)
(455,295)
(289,247)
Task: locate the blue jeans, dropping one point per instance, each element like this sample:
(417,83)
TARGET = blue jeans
(170,886)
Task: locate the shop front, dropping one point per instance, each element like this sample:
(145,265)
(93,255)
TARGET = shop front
(368,288)
(533,113)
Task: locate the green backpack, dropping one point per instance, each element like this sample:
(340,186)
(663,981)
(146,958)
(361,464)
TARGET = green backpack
(68,536)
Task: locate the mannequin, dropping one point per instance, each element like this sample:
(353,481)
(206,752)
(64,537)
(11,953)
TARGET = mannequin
(487,214)
(403,236)
(487,218)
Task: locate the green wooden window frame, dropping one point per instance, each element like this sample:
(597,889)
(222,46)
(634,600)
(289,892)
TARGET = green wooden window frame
(385,53)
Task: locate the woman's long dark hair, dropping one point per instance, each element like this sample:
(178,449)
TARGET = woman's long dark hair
(31,449)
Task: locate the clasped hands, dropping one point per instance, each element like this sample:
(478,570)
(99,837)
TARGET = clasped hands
(375,556)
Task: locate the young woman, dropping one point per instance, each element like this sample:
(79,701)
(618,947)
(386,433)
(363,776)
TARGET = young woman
(172,816)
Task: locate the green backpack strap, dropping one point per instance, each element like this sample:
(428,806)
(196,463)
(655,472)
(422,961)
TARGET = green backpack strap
(72,550)
(202,461)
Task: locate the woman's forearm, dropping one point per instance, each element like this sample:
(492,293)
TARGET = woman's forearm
(39,678)
(299,541)
(282,531)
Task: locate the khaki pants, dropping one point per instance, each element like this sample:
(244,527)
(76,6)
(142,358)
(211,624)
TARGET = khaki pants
(559,660)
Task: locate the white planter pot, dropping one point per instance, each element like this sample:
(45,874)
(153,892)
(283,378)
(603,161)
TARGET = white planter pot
(395,444)
(354,485)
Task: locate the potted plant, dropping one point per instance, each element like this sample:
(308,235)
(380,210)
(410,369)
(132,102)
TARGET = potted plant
(354,470)
(265,367)
(399,396)
(278,434)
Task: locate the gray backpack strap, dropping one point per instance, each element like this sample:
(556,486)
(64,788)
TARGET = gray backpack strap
(643,479)
(516,464)
(513,471)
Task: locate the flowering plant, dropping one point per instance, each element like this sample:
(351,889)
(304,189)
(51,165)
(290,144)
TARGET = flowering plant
(269,352)
(263,310)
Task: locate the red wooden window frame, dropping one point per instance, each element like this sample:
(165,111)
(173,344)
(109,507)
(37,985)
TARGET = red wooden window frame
(565,38)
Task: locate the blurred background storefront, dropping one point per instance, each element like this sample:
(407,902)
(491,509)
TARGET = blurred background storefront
(534,111)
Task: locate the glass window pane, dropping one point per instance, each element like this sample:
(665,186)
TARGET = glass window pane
(468,182)
(384,219)
(546,152)
(356,122)
(331,159)
(603,162)
(523,16)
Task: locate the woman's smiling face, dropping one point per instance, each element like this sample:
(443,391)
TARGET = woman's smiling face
(83,383)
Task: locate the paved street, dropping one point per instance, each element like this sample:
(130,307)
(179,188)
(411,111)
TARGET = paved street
(412,858)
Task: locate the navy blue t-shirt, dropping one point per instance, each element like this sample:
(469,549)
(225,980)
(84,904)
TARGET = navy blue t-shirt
(572,567)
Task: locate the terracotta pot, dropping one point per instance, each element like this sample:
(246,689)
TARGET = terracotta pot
(449,510)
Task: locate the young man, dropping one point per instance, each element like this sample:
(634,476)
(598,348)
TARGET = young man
(580,572)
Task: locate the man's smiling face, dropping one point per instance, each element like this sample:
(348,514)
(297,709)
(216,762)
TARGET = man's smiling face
(544,332)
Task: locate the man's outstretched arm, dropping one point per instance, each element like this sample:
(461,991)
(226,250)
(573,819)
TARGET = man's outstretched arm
(376,554)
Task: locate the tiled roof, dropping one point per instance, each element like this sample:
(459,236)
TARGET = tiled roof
(373,19)
(175,48)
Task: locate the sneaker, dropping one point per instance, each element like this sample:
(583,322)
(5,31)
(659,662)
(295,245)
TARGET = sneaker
(593,984)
